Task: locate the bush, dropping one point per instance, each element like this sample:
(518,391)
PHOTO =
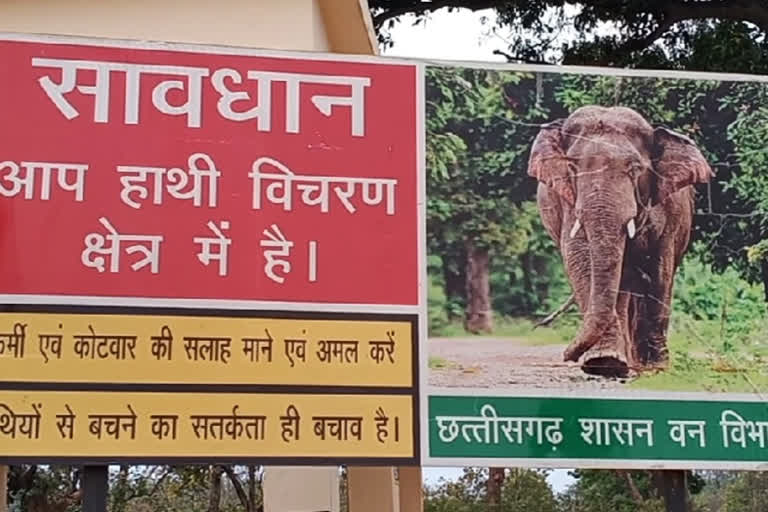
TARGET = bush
(716,312)
(720,300)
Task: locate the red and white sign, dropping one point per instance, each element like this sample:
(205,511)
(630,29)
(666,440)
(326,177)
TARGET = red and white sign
(138,172)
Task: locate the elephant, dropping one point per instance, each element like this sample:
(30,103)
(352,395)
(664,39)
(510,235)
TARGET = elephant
(616,195)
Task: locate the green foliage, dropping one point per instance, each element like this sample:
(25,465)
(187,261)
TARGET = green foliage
(33,487)
(526,489)
(475,159)
(467,494)
(618,491)
(132,489)
(724,297)
(747,493)
(436,307)
(523,489)
(479,123)
(533,282)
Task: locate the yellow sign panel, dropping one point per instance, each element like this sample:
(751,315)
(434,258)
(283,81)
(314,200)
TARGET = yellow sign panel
(59,424)
(180,349)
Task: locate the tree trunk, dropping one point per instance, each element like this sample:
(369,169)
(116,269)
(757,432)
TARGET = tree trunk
(252,487)
(214,494)
(120,491)
(454,277)
(3,488)
(764,272)
(479,316)
(529,296)
(633,490)
(241,494)
(495,484)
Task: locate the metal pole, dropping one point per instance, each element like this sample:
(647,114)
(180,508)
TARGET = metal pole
(95,488)
(3,488)
(675,490)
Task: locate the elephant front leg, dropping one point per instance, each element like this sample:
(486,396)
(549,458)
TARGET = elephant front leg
(609,355)
(630,310)
(614,356)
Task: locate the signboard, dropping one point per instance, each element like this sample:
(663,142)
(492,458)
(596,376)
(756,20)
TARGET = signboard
(223,254)
(603,232)
(208,254)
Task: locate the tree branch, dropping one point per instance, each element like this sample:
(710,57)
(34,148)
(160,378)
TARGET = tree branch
(559,311)
(419,7)
(634,45)
(735,10)
(752,11)
(252,487)
(238,487)
(512,58)
(667,15)
(159,482)
(214,493)
(633,490)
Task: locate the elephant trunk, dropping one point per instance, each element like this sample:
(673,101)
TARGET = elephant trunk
(606,234)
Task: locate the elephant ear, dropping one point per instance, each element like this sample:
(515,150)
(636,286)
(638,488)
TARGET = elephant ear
(678,163)
(548,162)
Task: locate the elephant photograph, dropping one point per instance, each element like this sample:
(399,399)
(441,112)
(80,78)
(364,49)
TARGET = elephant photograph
(616,196)
(596,231)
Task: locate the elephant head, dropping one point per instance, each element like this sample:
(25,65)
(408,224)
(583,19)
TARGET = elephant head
(608,167)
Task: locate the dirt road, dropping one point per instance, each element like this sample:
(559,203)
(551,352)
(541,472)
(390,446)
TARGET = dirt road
(506,363)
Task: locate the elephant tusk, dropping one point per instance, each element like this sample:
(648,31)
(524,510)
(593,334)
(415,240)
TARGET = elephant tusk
(576,227)
(631,229)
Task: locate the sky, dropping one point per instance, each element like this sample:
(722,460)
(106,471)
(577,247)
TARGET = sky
(455,36)
(447,36)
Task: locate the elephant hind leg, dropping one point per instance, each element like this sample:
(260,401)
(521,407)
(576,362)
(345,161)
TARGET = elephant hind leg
(657,305)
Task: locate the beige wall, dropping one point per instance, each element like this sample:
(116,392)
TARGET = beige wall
(301,489)
(373,489)
(411,489)
(278,24)
(342,26)
(349,26)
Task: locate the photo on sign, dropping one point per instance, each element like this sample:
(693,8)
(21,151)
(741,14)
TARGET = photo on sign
(595,232)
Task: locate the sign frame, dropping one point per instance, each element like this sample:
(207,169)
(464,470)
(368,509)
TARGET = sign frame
(428,460)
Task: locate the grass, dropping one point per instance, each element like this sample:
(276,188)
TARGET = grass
(703,358)
(506,327)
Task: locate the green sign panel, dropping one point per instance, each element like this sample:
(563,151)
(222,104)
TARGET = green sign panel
(475,427)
